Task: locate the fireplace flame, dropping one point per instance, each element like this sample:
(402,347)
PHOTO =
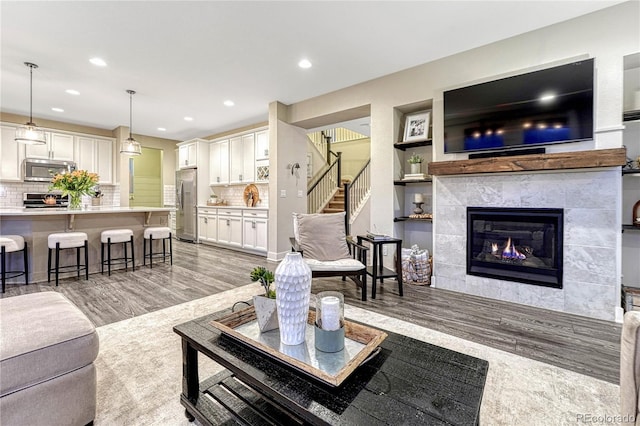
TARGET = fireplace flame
(510,251)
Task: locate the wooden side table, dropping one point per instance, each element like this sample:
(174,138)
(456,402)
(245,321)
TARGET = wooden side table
(378,271)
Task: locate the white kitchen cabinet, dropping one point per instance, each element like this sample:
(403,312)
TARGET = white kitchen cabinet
(230,227)
(254,230)
(12,154)
(59,146)
(188,154)
(207,225)
(96,156)
(219,163)
(262,145)
(242,158)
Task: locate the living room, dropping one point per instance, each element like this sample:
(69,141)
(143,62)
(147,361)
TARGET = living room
(600,197)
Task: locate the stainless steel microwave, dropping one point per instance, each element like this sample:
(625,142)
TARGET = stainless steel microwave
(40,170)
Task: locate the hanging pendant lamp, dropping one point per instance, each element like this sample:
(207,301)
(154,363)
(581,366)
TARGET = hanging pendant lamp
(130,146)
(30,134)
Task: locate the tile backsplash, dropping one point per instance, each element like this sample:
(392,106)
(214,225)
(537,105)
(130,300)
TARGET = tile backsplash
(234,195)
(11,193)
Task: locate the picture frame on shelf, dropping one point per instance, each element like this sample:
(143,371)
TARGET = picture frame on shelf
(416,126)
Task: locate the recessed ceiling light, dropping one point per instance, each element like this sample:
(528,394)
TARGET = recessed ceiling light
(229,103)
(99,62)
(72,92)
(162,129)
(304,63)
(57,109)
(188,119)
(547,97)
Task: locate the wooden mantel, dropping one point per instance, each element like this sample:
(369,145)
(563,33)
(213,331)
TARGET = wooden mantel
(525,163)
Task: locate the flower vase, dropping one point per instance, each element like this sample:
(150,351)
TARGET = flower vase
(415,168)
(293,290)
(75,201)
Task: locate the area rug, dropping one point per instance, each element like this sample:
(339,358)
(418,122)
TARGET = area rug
(140,371)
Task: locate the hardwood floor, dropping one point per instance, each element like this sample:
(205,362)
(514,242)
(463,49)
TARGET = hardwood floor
(576,343)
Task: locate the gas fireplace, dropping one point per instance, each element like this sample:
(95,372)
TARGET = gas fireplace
(515,244)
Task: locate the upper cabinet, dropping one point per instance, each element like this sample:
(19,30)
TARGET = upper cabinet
(59,146)
(219,163)
(96,156)
(262,145)
(188,154)
(241,159)
(92,153)
(12,155)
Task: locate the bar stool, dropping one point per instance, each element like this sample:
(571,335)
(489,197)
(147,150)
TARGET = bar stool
(116,236)
(157,233)
(68,240)
(12,244)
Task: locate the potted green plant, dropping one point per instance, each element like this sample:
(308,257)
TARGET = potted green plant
(265,305)
(415,161)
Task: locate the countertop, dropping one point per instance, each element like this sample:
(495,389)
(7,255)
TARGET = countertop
(20,211)
(204,206)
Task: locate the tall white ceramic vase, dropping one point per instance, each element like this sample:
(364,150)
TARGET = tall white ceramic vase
(293,290)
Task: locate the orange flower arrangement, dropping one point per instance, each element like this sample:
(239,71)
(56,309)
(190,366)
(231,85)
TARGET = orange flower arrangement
(75,185)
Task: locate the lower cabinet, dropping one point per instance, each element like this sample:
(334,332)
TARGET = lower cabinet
(245,229)
(207,226)
(254,227)
(230,227)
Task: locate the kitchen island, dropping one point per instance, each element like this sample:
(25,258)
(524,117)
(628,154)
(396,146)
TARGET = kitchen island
(35,225)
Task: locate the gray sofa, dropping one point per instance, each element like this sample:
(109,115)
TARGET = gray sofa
(630,369)
(47,349)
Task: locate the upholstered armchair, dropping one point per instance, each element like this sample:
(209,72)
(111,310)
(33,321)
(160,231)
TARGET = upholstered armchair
(630,369)
(329,252)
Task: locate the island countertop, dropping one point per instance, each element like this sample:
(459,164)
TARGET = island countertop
(36,224)
(21,211)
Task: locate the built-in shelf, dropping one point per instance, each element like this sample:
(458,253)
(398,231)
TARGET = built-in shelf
(410,219)
(404,182)
(413,144)
(525,163)
(626,228)
(631,171)
(631,115)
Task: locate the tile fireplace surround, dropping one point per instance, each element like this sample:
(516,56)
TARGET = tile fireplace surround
(592,237)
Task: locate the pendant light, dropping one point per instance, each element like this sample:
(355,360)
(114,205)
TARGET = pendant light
(130,146)
(30,134)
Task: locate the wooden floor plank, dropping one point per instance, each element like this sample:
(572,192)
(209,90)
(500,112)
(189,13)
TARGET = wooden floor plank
(585,345)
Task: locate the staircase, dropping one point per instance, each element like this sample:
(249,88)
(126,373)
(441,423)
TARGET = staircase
(336,204)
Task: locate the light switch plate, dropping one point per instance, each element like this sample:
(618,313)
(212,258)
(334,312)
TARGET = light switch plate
(283,193)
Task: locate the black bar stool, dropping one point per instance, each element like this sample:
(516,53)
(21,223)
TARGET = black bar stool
(116,236)
(157,233)
(13,244)
(63,241)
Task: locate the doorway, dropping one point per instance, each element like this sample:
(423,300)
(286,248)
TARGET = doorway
(145,179)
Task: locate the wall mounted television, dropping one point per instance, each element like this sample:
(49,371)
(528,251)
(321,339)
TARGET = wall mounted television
(548,106)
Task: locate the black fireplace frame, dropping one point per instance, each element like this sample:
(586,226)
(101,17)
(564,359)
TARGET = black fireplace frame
(517,273)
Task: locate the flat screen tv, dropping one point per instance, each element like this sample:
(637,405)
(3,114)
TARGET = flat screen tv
(553,105)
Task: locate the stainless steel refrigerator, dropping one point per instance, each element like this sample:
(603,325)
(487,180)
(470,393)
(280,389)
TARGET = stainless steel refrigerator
(186,200)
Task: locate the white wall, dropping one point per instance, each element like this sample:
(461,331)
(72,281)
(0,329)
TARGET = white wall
(287,145)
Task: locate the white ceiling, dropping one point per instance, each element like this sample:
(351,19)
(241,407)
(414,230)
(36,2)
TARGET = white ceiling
(184,58)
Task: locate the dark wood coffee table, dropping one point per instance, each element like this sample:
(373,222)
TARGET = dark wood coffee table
(408,382)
